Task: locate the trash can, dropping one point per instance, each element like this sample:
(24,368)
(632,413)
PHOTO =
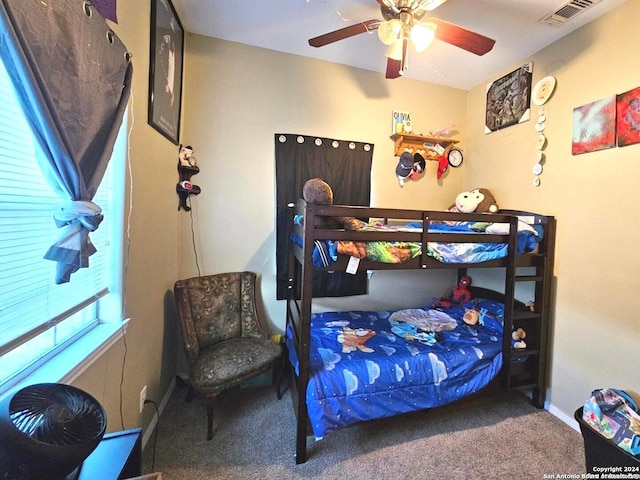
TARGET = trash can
(601,452)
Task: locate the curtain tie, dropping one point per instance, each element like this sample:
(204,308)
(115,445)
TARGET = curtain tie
(72,211)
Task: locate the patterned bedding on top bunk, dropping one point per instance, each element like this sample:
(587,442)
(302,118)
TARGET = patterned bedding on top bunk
(366,365)
(326,252)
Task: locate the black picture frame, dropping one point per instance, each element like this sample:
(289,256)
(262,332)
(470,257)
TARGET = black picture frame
(166,56)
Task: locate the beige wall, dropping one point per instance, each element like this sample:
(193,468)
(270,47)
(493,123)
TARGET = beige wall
(235,99)
(595,332)
(148,356)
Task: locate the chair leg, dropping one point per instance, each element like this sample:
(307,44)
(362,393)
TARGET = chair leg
(209,400)
(191,393)
(276,377)
(280,369)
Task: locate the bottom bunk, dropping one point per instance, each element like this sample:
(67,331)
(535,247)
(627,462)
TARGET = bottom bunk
(365,365)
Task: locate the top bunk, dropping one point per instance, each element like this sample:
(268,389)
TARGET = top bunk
(389,238)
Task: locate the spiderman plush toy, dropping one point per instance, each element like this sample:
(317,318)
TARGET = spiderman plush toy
(458,296)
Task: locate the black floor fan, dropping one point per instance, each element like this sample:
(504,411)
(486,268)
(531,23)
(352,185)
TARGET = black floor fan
(47,430)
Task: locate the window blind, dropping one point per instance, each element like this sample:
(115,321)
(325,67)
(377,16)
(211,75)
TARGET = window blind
(32,307)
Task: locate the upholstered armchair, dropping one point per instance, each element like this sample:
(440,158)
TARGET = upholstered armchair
(224,341)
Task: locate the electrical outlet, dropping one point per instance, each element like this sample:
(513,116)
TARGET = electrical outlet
(143,397)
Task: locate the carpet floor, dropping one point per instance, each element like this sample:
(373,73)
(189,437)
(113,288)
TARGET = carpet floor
(495,435)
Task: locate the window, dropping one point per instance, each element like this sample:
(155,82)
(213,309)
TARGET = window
(37,317)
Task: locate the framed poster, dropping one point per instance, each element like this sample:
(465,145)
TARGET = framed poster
(628,115)
(401,122)
(509,99)
(165,70)
(594,126)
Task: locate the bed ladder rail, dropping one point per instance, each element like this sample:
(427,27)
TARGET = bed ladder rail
(526,368)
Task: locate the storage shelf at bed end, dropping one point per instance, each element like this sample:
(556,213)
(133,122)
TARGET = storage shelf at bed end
(530,259)
(525,352)
(525,315)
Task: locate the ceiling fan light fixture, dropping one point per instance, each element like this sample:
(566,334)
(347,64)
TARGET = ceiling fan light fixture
(431,4)
(422,34)
(395,50)
(389,31)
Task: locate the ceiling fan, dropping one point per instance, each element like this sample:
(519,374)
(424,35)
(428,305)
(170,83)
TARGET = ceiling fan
(405,20)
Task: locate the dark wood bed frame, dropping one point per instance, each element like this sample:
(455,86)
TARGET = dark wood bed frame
(522,368)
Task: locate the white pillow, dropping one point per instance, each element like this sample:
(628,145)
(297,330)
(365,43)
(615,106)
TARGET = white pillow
(503,228)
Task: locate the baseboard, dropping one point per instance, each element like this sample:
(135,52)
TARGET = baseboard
(154,421)
(569,420)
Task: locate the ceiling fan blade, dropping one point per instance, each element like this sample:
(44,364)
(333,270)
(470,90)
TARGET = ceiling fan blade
(396,68)
(393,68)
(343,33)
(461,37)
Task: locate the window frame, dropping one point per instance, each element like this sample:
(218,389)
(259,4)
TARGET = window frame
(67,360)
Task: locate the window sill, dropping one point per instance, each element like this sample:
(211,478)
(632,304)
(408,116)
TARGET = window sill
(70,363)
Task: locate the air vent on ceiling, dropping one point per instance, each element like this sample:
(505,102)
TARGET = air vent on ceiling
(567,11)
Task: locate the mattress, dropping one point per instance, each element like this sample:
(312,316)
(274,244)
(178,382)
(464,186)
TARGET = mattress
(325,252)
(374,364)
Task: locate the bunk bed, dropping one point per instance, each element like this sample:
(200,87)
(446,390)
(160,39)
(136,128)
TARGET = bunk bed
(338,357)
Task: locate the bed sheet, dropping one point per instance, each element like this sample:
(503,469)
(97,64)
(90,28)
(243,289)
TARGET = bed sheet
(326,252)
(366,364)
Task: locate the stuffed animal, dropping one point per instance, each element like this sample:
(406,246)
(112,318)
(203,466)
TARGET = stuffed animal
(478,200)
(471,316)
(517,337)
(185,155)
(458,296)
(317,191)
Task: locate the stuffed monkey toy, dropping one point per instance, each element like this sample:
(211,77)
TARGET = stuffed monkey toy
(478,200)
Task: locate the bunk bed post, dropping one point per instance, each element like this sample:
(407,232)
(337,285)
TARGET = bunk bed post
(306,299)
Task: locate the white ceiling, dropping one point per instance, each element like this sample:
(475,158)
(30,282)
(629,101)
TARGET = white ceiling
(286,25)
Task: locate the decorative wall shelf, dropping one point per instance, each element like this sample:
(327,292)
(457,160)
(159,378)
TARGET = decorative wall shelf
(426,146)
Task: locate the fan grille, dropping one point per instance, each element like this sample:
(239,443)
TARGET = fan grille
(57,416)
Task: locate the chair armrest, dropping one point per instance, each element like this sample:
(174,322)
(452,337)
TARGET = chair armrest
(185,319)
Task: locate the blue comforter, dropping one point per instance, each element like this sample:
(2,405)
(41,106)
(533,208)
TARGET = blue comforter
(325,252)
(366,365)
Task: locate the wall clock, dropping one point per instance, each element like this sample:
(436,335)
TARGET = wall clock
(455,157)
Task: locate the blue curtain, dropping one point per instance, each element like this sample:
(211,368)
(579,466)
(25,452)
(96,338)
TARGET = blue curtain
(73,77)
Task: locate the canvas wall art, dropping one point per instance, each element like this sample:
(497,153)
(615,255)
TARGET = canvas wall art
(628,117)
(509,99)
(594,126)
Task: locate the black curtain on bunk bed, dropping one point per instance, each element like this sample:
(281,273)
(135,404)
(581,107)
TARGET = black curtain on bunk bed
(344,165)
